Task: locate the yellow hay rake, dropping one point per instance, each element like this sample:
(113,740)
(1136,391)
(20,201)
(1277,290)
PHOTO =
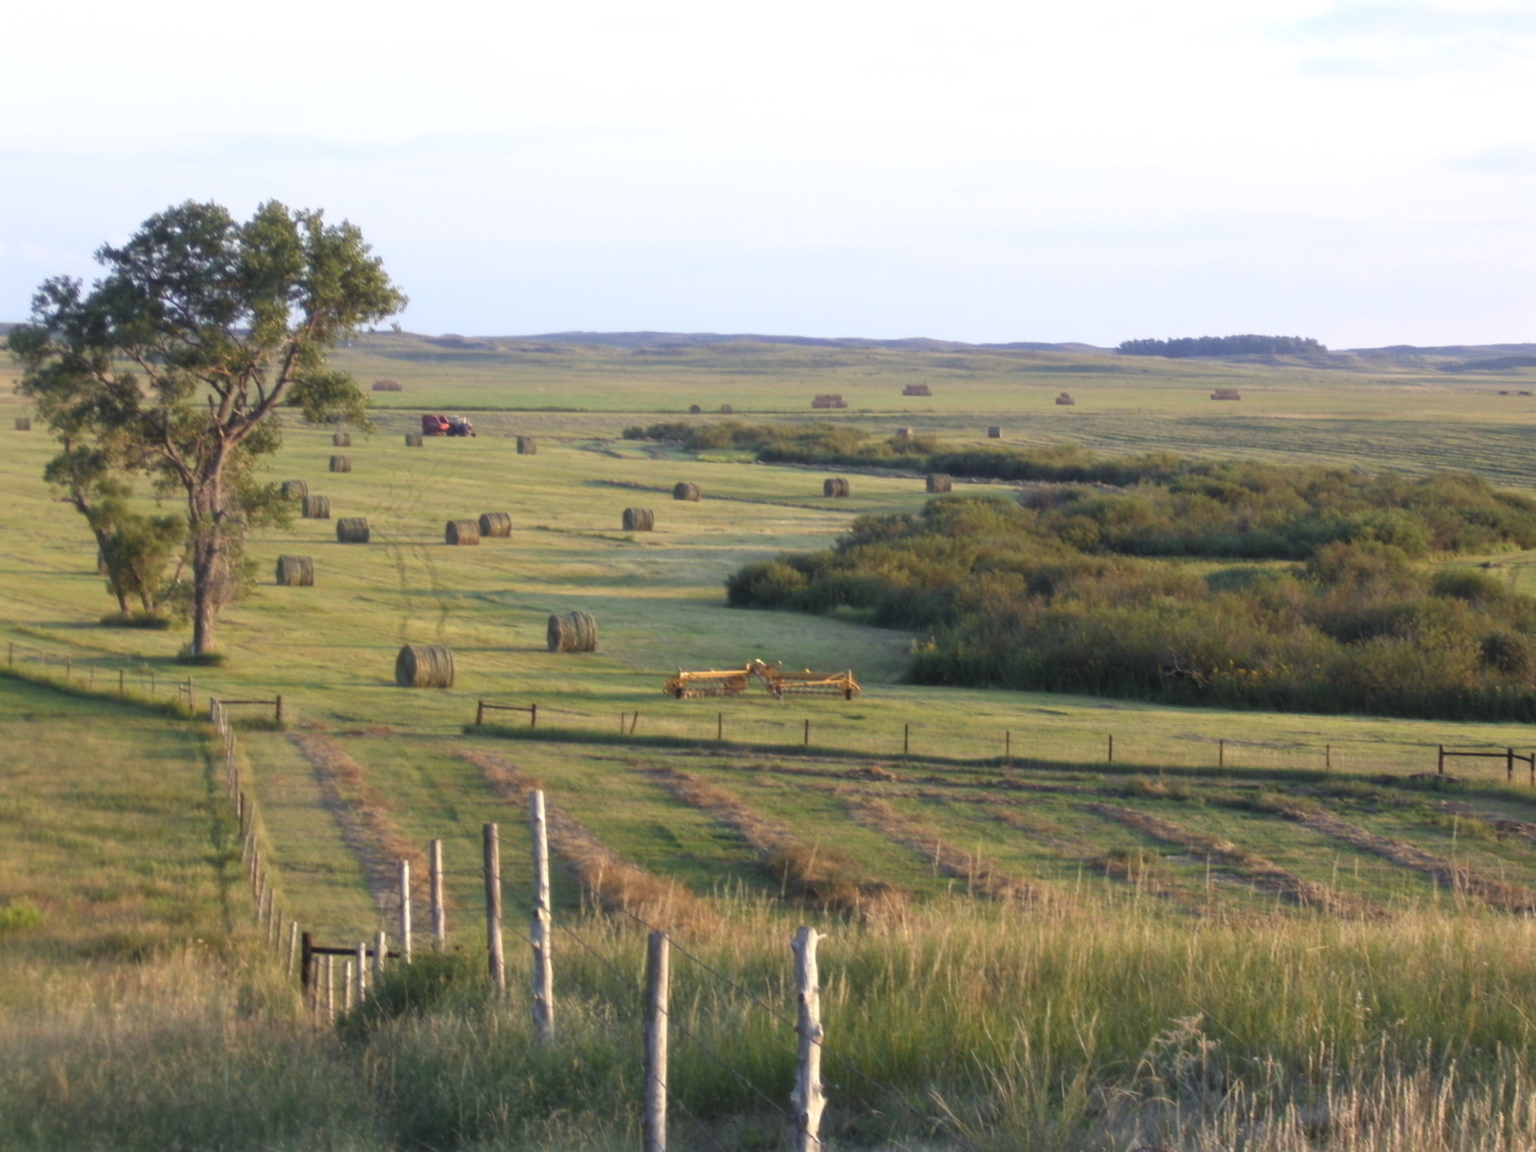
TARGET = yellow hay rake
(734,681)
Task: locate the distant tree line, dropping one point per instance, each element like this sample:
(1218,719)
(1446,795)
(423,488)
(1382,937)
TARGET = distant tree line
(1247,345)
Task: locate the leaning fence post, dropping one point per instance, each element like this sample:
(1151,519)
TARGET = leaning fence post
(808,1099)
(439,917)
(657,981)
(405,910)
(498,964)
(543,961)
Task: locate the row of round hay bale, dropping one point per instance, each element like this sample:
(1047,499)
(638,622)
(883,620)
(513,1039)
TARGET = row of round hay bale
(938,482)
(495,524)
(461,532)
(1065,398)
(23,423)
(295,489)
(352,530)
(341,463)
(994,432)
(727,410)
(413,439)
(388,384)
(573,632)
(694,409)
(341,440)
(296,571)
(317,507)
(834,486)
(639,520)
(685,491)
(527,446)
(424,666)
(1226,394)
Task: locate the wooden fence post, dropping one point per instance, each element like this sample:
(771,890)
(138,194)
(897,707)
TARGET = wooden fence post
(349,983)
(307,972)
(808,1099)
(1111,759)
(330,987)
(807,741)
(479,713)
(1440,766)
(720,726)
(497,961)
(543,961)
(906,739)
(405,910)
(533,716)
(657,982)
(1221,753)
(360,975)
(1327,757)
(293,943)
(380,954)
(1008,746)
(277,711)
(439,915)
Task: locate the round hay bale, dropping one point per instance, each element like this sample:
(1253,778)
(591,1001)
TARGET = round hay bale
(694,410)
(23,424)
(495,524)
(317,507)
(639,520)
(462,532)
(1065,398)
(904,433)
(296,571)
(388,384)
(413,439)
(527,446)
(341,463)
(994,432)
(685,491)
(938,482)
(295,489)
(573,632)
(352,530)
(727,410)
(834,486)
(424,666)
(341,440)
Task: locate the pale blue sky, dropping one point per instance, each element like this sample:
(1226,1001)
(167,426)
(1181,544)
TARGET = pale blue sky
(1362,173)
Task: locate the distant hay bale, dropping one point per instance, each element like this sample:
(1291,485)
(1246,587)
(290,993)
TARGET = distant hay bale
(834,486)
(317,507)
(917,390)
(685,491)
(727,410)
(1065,398)
(352,530)
(413,439)
(639,520)
(938,482)
(904,433)
(994,432)
(295,489)
(1226,394)
(341,463)
(341,440)
(573,632)
(23,424)
(495,524)
(424,666)
(829,400)
(462,532)
(388,384)
(296,571)
(527,446)
(694,409)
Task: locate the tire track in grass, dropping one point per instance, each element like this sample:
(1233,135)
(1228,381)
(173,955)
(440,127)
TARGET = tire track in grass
(828,878)
(983,877)
(613,882)
(361,812)
(1458,878)
(1263,873)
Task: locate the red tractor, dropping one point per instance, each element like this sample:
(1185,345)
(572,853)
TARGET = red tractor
(446,426)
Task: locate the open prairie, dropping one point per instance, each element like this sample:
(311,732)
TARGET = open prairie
(1040,938)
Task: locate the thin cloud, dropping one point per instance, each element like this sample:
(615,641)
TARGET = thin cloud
(1397,40)
(1504,160)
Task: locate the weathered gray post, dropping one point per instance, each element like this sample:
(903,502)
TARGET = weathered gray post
(350,982)
(360,974)
(330,987)
(658,978)
(293,943)
(380,954)
(497,962)
(439,914)
(405,910)
(808,1099)
(543,961)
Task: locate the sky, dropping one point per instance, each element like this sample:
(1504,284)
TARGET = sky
(1362,173)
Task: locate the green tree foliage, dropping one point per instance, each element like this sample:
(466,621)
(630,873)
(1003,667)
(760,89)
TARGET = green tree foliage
(1247,345)
(177,362)
(1043,597)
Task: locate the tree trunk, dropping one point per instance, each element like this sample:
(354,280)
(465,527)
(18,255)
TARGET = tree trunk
(207,563)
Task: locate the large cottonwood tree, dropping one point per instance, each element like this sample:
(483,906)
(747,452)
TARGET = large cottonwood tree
(178,359)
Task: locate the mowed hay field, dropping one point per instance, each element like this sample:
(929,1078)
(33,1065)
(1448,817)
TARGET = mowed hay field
(1245,927)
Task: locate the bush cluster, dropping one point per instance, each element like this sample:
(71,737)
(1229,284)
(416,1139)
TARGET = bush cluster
(1063,595)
